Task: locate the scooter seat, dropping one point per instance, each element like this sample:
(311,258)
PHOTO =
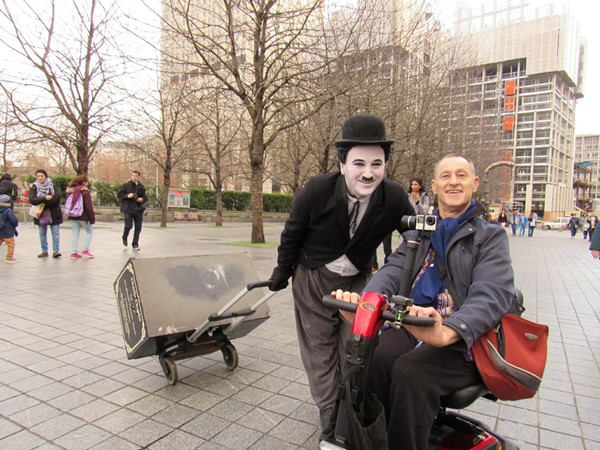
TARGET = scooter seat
(465,396)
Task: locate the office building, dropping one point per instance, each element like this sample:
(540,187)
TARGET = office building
(517,99)
(587,154)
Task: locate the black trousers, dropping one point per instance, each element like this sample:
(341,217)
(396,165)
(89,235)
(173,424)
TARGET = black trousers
(131,221)
(409,382)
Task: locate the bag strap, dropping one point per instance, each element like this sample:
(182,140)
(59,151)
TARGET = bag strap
(445,277)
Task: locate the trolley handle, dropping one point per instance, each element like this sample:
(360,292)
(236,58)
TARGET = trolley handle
(386,315)
(258,284)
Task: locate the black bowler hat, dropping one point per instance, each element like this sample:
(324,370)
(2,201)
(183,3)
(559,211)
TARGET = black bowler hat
(363,130)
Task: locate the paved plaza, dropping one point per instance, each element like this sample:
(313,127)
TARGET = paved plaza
(65,381)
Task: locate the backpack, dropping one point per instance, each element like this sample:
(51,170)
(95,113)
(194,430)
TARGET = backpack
(74,209)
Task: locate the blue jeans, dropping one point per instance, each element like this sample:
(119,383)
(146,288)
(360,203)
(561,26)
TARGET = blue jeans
(77,225)
(55,232)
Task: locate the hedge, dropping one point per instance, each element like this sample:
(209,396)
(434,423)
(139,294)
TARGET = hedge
(106,194)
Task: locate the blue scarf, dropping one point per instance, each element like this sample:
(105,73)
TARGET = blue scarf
(430,285)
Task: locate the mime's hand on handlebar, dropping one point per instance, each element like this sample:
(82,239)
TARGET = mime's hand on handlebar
(350,297)
(438,335)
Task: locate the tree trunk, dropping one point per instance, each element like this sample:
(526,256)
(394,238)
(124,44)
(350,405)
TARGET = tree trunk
(219,193)
(165,196)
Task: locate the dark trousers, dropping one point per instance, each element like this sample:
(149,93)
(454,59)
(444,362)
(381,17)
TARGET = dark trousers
(409,382)
(322,332)
(132,220)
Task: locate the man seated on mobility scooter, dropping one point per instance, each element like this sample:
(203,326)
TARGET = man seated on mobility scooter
(407,377)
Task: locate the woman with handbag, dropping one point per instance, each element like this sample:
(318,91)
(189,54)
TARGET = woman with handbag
(43,194)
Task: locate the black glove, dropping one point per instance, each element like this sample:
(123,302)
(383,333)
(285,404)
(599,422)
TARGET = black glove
(279,280)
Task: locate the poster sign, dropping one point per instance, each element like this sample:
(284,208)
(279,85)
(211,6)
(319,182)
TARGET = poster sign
(179,198)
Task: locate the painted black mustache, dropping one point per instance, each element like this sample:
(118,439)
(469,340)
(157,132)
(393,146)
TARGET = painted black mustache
(367,178)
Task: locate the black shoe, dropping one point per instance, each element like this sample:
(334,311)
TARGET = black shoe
(125,242)
(136,247)
(56,255)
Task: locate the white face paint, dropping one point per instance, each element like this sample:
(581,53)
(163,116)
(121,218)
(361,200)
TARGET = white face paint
(364,169)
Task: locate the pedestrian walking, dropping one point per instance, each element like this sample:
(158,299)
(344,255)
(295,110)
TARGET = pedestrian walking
(7,187)
(522,224)
(8,227)
(531,222)
(595,243)
(593,226)
(573,225)
(133,205)
(514,222)
(80,210)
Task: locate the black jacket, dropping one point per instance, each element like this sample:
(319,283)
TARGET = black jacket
(317,230)
(131,205)
(53,205)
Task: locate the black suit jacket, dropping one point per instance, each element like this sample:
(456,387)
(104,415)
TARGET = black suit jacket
(317,230)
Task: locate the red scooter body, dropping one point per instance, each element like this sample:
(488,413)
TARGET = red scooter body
(368,320)
(451,431)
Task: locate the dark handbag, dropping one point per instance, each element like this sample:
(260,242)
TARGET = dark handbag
(367,428)
(46,217)
(511,357)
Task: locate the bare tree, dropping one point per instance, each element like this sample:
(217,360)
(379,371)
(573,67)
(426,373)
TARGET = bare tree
(216,133)
(74,69)
(165,128)
(266,52)
(10,138)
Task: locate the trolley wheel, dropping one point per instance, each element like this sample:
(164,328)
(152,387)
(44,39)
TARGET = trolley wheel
(230,356)
(169,369)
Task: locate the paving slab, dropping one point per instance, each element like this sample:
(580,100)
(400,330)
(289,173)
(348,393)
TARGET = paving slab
(65,380)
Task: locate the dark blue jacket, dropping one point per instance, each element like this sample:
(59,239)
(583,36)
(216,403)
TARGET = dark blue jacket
(10,219)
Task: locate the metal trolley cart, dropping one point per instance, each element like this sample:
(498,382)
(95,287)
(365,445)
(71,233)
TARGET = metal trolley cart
(161,300)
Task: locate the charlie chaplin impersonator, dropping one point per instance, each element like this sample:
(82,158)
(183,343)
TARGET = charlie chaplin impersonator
(336,224)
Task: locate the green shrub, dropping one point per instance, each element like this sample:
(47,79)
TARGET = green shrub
(277,202)
(106,194)
(236,201)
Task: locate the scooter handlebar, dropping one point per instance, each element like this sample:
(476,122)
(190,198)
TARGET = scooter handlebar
(386,315)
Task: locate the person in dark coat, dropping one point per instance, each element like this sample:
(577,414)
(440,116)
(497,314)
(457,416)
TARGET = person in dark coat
(78,186)
(44,192)
(336,223)
(7,187)
(9,228)
(595,243)
(133,205)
